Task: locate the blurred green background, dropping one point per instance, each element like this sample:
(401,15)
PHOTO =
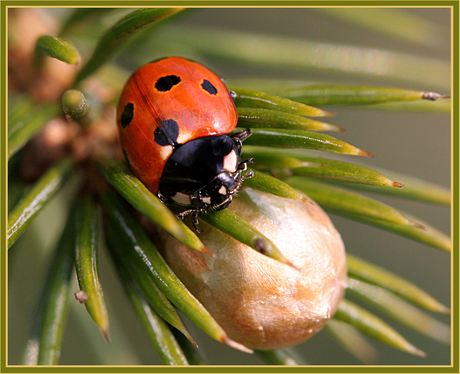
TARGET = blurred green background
(417,144)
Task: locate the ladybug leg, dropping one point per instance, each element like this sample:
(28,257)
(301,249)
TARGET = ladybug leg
(243,164)
(242,135)
(240,181)
(195,221)
(164,199)
(239,137)
(185,213)
(194,215)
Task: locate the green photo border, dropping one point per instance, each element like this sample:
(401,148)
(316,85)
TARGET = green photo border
(231,369)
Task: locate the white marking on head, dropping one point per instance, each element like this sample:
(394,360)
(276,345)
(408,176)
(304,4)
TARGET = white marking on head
(207,200)
(231,162)
(223,190)
(182,199)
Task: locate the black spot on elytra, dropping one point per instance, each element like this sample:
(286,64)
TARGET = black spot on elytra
(167,133)
(127,115)
(167,82)
(207,86)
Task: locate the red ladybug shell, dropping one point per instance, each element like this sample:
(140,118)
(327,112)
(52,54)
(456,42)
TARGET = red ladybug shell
(166,103)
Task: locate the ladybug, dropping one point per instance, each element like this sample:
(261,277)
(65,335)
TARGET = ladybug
(174,116)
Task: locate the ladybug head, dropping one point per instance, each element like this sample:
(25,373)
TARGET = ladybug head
(218,193)
(204,173)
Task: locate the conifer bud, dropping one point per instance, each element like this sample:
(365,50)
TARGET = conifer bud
(259,301)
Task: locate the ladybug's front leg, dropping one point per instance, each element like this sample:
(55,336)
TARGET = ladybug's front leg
(194,215)
(195,221)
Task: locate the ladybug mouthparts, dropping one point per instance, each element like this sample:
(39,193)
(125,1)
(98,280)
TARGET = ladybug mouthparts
(204,173)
